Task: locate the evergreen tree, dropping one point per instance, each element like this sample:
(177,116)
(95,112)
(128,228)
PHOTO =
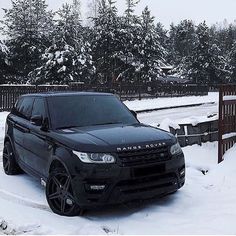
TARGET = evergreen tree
(28,25)
(232,62)
(130,44)
(206,65)
(129,12)
(69,58)
(224,38)
(106,41)
(151,54)
(181,42)
(163,35)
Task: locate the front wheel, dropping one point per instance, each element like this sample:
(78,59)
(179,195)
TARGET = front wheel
(60,195)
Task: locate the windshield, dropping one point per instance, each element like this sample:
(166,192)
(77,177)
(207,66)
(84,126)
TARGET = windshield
(87,110)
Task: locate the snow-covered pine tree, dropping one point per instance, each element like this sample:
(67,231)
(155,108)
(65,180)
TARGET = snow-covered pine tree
(163,35)
(69,58)
(106,42)
(206,64)
(230,37)
(224,36)
(128,53)
(130,8)
(27,25)
(232,63)
(182,39)
(151,53)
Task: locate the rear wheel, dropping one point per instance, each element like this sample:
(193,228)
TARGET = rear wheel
(10,165)
(60,195)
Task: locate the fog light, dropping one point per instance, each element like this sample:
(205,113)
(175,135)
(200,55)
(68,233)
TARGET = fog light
(97,187)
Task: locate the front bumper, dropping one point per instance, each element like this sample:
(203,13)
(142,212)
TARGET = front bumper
(125,184)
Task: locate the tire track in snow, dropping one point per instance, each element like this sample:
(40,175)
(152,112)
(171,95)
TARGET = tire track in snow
(22,201)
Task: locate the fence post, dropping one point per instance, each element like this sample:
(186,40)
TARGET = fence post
(220,120)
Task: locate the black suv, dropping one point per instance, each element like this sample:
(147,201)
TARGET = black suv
(89,150)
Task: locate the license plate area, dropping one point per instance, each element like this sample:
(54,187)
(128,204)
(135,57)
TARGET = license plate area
(149,170)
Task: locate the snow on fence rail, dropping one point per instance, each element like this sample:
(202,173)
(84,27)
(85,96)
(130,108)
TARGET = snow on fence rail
(10,93)
(227,119)
(202,132)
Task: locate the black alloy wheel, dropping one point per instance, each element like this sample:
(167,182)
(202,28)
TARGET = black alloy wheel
(10,165)
(60,195)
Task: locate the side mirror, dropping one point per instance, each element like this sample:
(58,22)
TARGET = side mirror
(134,113)
(36,120)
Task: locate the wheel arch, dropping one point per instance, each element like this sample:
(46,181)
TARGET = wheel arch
(56,163)
(61,159)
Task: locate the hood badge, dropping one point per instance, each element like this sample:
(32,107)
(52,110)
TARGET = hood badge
(139,147)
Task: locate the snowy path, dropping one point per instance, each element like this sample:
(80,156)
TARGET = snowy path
(178,114)
(137,105)
(205,205)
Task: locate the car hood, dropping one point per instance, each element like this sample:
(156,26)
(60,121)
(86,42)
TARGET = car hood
(109,138)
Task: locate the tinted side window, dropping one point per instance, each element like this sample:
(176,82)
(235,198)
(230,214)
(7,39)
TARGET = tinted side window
(16,108)
(25,107)
(38,108)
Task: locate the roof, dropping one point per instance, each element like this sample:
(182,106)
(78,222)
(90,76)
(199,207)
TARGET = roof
(60,93)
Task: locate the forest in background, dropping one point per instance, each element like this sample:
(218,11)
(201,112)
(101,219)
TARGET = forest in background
(55,47)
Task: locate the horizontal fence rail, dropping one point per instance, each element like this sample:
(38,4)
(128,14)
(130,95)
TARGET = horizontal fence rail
(10,93)
(227,119)
(189,134)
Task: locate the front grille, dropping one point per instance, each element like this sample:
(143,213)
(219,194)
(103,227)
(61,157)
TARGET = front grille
(147,183)
(144,156)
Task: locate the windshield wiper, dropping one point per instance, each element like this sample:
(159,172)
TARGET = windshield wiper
(108,123)
(68,127)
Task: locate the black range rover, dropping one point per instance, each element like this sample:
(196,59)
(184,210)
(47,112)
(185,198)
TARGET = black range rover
(89,150)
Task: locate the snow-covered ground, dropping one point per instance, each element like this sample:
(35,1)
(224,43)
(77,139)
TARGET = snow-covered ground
(137,105)
(175,116)
(205,205)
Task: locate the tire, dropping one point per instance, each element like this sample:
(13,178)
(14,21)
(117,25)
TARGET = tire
(10,165)
(59,194)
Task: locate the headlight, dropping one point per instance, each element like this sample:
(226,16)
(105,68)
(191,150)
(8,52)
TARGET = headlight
(175,149)
(95,157)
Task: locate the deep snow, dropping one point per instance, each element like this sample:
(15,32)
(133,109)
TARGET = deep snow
(205,205)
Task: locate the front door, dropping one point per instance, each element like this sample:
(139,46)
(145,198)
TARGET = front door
(38,148)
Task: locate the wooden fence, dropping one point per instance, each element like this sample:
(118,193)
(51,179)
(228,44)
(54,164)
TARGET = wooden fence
(150,90)
(10,93)
(189,134)
(227,119)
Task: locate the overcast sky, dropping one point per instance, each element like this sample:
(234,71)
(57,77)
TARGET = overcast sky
(167,11)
